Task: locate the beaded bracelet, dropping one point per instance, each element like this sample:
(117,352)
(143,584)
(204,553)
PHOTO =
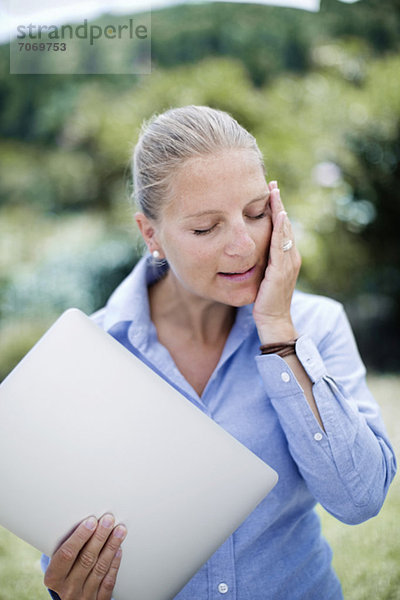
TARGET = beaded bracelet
(282,349)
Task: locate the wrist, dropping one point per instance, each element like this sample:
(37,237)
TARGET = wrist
(283,349)
(276,332)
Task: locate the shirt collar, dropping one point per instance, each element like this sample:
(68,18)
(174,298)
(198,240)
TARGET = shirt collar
(130,301)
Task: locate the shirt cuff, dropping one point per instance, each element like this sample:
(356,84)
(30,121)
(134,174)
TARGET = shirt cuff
(309,356)
(279,380)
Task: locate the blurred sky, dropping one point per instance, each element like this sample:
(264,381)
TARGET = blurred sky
(23,12)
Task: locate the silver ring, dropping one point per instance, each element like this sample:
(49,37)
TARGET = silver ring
(287,245)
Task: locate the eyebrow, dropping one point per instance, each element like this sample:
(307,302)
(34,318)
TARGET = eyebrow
(216,212)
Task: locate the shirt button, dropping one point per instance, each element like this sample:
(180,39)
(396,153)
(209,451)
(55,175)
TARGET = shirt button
(223,588)
(285,376)
(318,437)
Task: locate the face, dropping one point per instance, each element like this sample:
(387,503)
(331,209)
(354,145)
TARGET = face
(215,231)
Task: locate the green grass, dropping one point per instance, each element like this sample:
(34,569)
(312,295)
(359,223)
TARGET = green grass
(20,573)
(366,557)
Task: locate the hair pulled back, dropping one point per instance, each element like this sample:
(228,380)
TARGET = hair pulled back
(170,139)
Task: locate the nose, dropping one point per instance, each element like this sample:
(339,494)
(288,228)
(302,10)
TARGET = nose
(239,241)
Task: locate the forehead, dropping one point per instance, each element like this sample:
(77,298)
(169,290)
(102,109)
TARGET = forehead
(215,180)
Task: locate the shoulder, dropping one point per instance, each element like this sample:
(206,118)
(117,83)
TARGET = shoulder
(304,303)
(314,314)
(99,316)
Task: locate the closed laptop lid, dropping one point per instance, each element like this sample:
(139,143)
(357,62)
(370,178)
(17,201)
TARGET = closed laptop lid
(87,428)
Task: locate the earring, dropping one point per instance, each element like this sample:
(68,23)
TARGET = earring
(155,254)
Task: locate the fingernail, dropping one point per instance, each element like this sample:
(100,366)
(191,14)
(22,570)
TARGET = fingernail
(107,521)
(282,212)
(120,531)
(118,553)
(90,523)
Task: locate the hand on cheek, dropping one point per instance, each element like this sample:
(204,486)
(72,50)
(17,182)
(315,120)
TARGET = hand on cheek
(272,306)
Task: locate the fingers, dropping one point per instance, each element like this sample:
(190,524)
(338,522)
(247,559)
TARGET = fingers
(91,560)
(281,225)
(104,571)
(64,558)
(282,233)
(109,581)
(272,185)
(271,309)
(86,565)
(275,201)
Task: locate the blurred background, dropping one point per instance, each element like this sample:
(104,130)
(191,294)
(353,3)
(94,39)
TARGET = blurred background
(321,93)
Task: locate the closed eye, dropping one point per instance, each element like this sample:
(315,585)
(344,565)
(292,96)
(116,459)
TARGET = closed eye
(203,231)
(265,212)
(260,216)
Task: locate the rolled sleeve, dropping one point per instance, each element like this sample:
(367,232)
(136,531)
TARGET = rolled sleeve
(349,466)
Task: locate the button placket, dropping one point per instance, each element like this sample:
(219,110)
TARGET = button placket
(221,571)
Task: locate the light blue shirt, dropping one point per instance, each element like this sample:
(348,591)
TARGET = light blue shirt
(278,552)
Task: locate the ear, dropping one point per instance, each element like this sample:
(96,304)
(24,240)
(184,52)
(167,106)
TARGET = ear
(147,228)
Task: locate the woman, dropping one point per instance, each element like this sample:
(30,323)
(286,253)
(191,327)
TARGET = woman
(218,284)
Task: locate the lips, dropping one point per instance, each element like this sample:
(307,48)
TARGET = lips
(238,275)
(236,272)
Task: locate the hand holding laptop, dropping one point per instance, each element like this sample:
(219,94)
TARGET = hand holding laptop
(80,405)
(87,563)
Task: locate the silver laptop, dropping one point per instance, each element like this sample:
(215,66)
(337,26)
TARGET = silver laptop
(87,428)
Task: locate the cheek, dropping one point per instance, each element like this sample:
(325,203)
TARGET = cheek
(192,258)
(202,249)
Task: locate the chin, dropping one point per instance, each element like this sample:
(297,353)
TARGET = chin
(244,300)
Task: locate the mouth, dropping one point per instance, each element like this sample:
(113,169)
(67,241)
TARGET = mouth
(239,275)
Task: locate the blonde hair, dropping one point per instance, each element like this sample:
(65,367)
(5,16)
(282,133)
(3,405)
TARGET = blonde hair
(168,140)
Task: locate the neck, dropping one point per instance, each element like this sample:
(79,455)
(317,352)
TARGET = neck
(199,320)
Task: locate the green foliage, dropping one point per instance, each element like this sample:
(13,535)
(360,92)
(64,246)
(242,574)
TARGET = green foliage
(267,40)
(61,262)
(50,180)
(20,573)
(321,94)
